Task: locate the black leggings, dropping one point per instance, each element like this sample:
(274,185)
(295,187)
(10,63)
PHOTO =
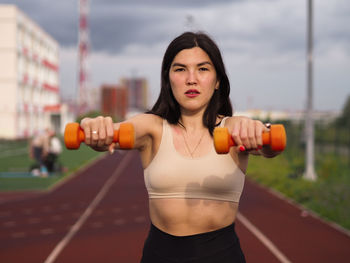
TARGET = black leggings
(220,246)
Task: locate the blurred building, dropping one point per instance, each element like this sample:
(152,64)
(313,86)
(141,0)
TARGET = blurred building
(114,101)
(93,99)
(29,77)
(264,114)
(295,116)
(138,93)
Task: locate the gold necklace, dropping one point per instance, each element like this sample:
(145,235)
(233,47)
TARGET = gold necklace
(195,148)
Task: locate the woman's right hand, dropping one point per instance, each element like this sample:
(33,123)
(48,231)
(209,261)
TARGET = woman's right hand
(99,132)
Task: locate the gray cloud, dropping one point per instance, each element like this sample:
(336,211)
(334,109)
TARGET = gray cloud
(58,18)
(113,31)
(115,24)
(164,3)
(258,38)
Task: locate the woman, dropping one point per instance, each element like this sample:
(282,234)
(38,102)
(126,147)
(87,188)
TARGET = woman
(193,192)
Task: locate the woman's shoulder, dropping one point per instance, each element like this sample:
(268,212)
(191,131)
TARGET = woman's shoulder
(148,129)
(148,122)
(220,120)
(148,118)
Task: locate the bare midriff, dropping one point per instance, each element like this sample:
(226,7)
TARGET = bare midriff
(184,217)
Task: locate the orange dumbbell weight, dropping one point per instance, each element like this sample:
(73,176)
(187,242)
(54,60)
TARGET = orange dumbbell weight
(275,137)
(74,135)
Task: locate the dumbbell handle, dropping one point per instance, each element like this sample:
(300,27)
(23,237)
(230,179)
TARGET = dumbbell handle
(81,135)
(74,135)
(275,137)
(266,138)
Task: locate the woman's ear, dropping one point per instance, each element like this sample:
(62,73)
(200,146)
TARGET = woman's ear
(217,85)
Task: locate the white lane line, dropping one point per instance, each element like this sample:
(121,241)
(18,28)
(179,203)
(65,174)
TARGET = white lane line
(75,228)
(267,242)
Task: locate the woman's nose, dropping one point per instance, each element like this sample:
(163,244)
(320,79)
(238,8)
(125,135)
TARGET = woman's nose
(191,78)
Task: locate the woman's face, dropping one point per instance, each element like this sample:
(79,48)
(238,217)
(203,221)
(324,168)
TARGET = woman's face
(193,79)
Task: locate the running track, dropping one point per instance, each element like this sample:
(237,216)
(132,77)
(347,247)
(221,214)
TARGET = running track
(101,215)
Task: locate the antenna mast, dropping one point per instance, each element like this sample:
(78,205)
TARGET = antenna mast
(83,47)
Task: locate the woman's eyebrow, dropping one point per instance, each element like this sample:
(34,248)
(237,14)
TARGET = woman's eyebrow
(204,63)
(176,64)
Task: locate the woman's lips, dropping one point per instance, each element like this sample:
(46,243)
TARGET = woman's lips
(191,93)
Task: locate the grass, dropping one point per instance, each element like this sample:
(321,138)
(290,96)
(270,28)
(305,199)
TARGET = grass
(21,162)
(27,184)
(329,196)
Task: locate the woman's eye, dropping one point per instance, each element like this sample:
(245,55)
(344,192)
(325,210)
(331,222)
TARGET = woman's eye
(203,69)
(179,69)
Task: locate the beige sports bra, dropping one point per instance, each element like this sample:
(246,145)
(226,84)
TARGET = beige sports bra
(172,175)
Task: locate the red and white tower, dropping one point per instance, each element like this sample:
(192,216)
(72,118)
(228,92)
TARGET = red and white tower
(83,54)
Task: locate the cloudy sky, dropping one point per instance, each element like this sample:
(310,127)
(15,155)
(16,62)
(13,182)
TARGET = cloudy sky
(263,44)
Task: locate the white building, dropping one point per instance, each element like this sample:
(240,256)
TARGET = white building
(29,77)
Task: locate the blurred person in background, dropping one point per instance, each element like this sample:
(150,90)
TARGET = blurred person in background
(193,191)
(55,149)
(38,150)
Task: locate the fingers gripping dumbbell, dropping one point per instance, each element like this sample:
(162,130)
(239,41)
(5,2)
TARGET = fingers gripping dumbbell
(275,137)
(74,135)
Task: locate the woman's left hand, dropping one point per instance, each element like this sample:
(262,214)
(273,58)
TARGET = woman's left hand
(246,132)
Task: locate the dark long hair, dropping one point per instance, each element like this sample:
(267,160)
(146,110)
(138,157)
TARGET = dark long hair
(166,105)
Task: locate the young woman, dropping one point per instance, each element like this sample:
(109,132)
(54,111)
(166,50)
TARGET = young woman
(193,191)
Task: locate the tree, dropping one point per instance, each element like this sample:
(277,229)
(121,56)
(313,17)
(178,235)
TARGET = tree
(93,114)
(344,119)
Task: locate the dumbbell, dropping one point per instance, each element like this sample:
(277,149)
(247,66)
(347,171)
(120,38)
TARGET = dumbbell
(74,135)
(275,137)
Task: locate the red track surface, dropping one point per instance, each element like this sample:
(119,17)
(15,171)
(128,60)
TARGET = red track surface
(31,228)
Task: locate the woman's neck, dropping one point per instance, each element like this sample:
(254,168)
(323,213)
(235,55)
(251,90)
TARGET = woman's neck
(192,122)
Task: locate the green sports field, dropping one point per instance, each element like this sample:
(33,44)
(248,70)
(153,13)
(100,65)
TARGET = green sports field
(15,166)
